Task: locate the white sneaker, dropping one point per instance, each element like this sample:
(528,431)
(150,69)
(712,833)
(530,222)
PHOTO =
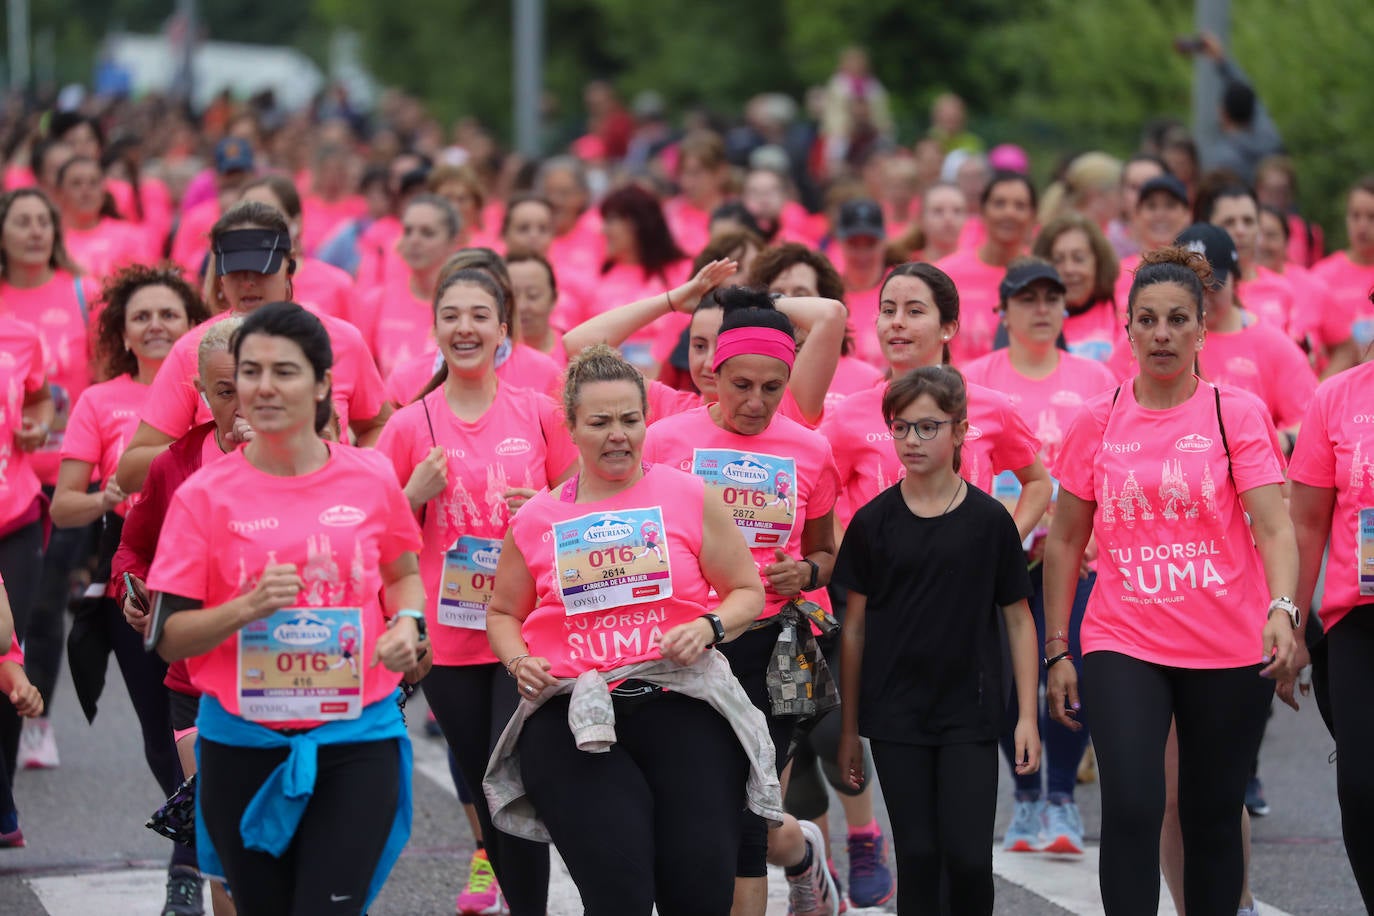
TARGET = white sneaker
(813,892)
(38,745)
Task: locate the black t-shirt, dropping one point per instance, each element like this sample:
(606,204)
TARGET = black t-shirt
(932,657)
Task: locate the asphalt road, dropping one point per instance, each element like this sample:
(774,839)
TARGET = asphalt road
(88,851)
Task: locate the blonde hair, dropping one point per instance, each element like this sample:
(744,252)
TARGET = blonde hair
(218,338)
(1091,172)
(598,363)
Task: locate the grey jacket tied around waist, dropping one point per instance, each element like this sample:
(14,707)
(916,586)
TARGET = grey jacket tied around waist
(591,716)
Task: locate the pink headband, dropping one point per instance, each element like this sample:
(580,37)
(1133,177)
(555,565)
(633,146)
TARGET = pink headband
(755,341)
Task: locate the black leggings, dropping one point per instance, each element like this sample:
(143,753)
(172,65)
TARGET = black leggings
(653,820)
(21,553)
(1220,716)
(1350,648)
(942,801)
(143,674)
(472,704)
(749,655)
(816,751)
(330,863)
(68,549)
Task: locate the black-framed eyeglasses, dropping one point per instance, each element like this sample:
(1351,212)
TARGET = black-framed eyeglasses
(925,429)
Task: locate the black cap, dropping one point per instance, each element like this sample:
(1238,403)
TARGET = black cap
(862,217)
(259,250)
(1215,244)
(1023,275)
(1166,183)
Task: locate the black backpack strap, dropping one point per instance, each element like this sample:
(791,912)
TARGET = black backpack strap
(1221,425)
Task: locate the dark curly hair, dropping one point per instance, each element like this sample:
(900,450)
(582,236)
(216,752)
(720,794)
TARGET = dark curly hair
(112,360)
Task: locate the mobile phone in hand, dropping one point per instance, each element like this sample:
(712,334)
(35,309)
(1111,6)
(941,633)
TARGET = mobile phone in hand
(1188,44)
(137,593)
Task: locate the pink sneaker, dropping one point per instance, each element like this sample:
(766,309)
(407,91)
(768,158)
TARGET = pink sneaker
(482,896)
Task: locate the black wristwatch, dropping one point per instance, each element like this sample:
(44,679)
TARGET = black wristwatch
(815,574)
(418,617)
(717,628)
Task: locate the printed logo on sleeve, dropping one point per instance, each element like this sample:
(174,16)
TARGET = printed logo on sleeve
(342,516)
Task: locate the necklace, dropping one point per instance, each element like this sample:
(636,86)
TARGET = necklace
(957,487)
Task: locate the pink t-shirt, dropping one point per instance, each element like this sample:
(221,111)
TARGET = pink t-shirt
(626,283)
(21,373)
(977,284)
(689,224)
(1269,296)
(174,406)
(192,241)
(862,325)
(1095,333)
(108,246)
(1259,359)
(1311,320)
(526,367)
(1124,280)
(772,483)
(580,251)
(337,525)
(1180,582)
(1049,404)
(666,401)
(973,233)
(616,574)
(103,421)
(1336,451)
(63,319)
(378,259)
(320,217)
(521,441)
(851,376)
(1348,285)
(397,325)
(998,440)
(324,289)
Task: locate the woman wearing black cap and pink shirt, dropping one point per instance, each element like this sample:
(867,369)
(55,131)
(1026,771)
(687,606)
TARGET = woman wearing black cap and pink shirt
(777,479)
(252,267)
(1048,387)
(1192,611)
(1008,209)
(858,256)
(1162,211)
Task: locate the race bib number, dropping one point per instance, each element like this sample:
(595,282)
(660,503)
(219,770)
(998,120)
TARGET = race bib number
(1366,552)
(302,663)
(469,577)
(759,492)
(612,559)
